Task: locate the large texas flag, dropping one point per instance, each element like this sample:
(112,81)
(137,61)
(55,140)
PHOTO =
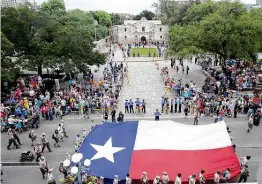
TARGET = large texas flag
(154,147)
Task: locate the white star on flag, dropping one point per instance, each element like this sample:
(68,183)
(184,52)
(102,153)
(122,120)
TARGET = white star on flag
(106,151)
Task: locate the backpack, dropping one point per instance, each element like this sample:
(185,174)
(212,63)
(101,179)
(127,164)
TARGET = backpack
(30,135)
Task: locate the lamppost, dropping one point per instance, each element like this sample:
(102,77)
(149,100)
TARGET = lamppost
(77,159)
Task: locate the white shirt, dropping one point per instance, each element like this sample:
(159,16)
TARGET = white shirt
(243,161)
(50,177)
(155,181)
(165,179)
(216,178)
(128,180)
(178,180)
(32,93)
(201,178)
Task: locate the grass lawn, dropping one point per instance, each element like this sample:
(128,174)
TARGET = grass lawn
(144,51)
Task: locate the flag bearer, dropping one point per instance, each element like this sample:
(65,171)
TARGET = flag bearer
(165,178)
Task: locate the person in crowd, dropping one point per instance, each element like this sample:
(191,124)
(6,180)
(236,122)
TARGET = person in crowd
(250,123)
(128,179)
(105,116)
(55,136)
(116,179)
(50,177)
(16,137)
(217,177)
(126,106)
(244,161)
(62,169)
(137,102)
(178,179)
(43,166)
(45,142)
(202,179)
(131,106)
(192,179)
(245,172)
(157,114)
(11,139)
(143,104)
(179,105)
(196,118)
(120,117)
(187,69)
(101,180)
(186,111)
(144,178)
(38,151)
(33,137)
(226,175)
(165,178)
(156,180)
(113,115)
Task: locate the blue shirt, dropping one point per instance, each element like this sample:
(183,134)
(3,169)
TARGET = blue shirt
(131,103)
(126,104)
(137,102)
(157,113)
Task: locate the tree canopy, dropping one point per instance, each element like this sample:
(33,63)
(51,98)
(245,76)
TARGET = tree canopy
(48,36)
(145,13)
(223,28)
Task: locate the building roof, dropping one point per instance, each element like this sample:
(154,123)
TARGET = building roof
(157,22)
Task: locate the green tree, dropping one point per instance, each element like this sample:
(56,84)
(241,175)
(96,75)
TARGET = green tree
(103,18)
(116,19)
(145,13)
(223,28)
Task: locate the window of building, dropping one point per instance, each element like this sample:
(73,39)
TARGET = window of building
(160,29)
(143,28)
(125,29)
(125,37)
(161,37)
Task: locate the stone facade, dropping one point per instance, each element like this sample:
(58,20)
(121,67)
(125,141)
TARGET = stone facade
(135,31)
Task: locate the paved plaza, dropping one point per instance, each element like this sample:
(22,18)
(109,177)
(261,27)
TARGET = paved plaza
(145,83)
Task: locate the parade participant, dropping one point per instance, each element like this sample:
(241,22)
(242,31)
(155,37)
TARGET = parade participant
(157,114)
(84,177)
(244,161)
(250,123)
(165,178)
(11,139)
(176,102)
(144,178)
(101,180)
(120,117)
(156,180)
(192,179)
(196,118)
(126,106)
(226,175)
(63,125)
(137,102)
(43,166)
(113,115)
(187,69)
(178,179)
(202,179)
(62,169)
(55,136)
(217,177)
(186,111)
(245,172)
(131,106)
(16,137)
(50,177)
(45,142)
(143,105)
(38,151)
(61,132)
(33,137)
(116,180)
(77,142)
(128,179)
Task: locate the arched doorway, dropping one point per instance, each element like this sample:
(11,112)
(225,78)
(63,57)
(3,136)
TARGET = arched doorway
(143,40)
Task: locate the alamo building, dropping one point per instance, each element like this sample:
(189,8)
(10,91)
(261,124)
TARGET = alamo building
(139,31)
